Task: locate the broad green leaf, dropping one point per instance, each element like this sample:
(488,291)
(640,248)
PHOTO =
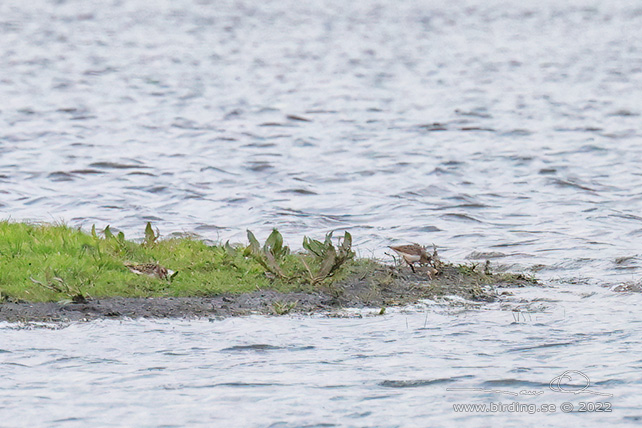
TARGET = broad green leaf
(229,249)
(274,243)
(150,236)
(346,246)
(347,242)
(255,252)
(313,246)
(327,265)
(255,247)
(328,239)
(272,264)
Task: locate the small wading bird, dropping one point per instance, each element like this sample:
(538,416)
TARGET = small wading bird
(412,253)
(151,269)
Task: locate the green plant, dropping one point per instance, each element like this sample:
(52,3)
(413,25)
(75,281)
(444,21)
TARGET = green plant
(326,259)
(281,307)
(56,284)
(271,255)
(150,236)
(118,240)
(468,269)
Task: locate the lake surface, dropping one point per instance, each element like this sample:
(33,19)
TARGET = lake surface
(408,368)
(494,129)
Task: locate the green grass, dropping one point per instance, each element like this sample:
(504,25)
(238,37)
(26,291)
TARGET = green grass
(35,257)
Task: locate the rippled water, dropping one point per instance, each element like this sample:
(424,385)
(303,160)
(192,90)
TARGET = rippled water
(404,369)
(502,127)
(495,129)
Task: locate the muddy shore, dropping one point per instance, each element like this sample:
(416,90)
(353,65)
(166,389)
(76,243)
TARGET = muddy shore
(382,287)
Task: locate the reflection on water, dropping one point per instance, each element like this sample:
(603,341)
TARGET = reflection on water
(402,369)
(479,126)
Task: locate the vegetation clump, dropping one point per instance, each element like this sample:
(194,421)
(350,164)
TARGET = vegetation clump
(271,255)
(325,259)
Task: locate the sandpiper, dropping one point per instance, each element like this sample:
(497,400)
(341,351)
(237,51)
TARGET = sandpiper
(150,269)
(412,253)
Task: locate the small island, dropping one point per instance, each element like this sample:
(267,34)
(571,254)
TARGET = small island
(58,273)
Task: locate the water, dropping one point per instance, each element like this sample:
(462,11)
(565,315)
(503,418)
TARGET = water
(402,369)
(505,127)
(495,129)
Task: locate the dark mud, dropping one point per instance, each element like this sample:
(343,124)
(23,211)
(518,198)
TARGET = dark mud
(375,286)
